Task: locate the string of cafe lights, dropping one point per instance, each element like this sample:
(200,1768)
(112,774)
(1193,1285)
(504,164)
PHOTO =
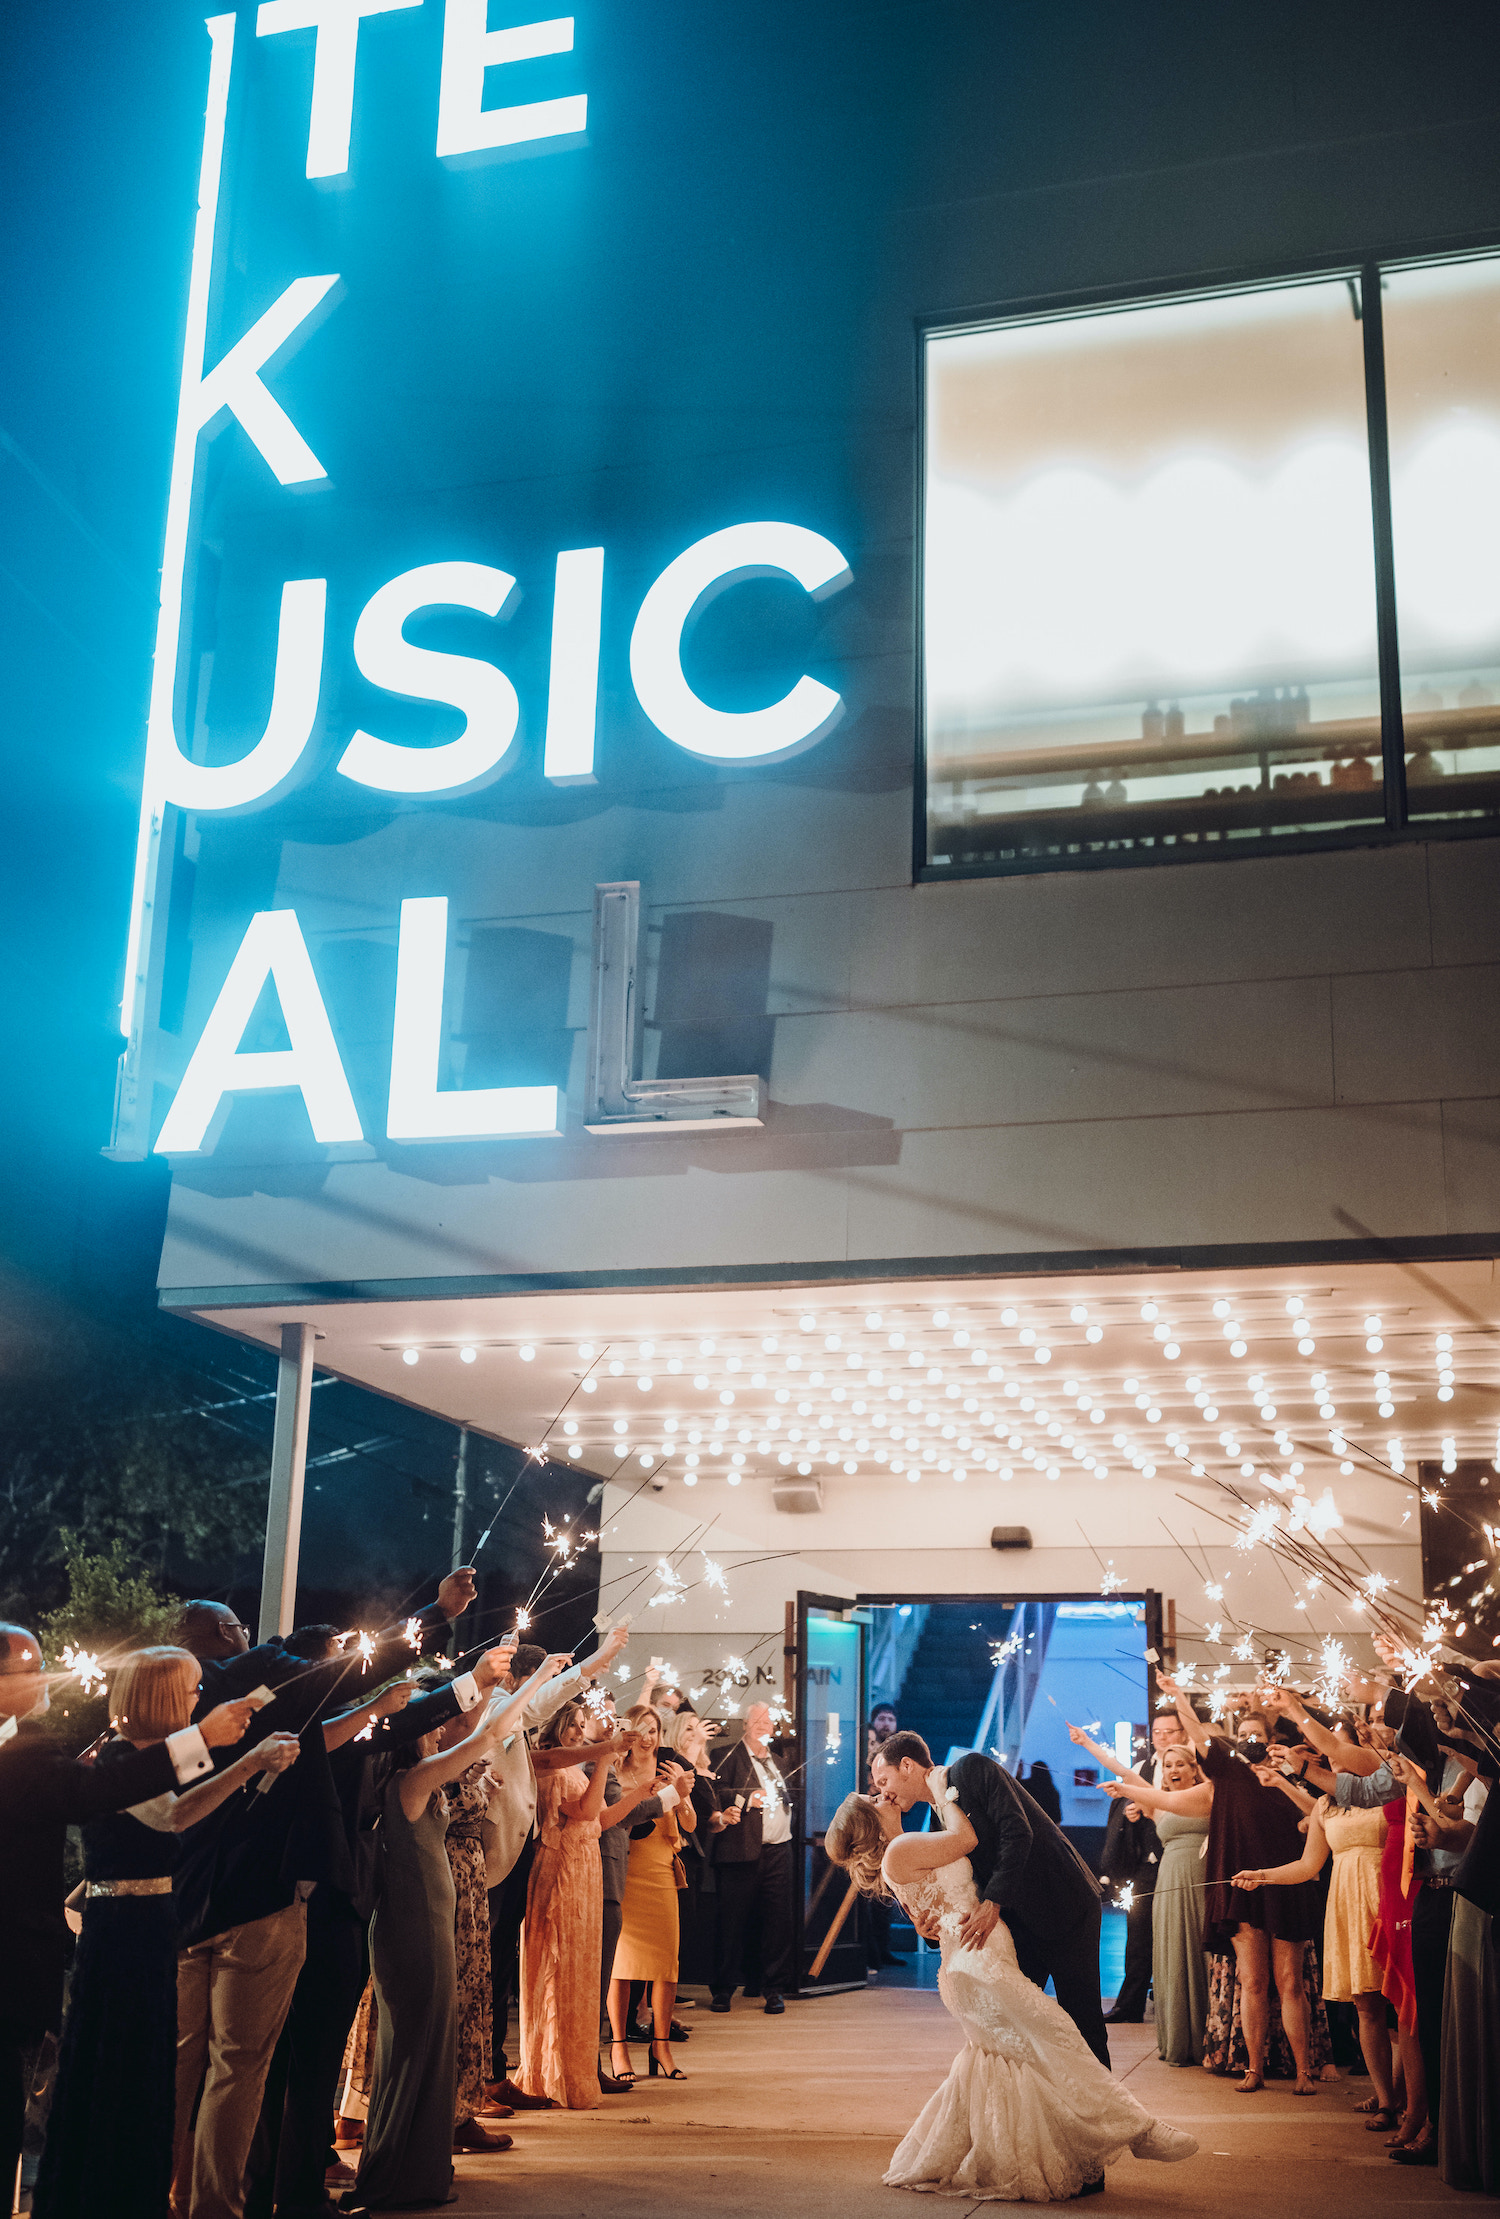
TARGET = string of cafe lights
(1223,1383)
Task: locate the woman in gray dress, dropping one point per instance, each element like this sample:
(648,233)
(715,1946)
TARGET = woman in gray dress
(407,2156)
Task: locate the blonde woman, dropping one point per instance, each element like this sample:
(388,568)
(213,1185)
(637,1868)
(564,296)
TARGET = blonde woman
(1027,2113)
(1179,1965)
(649,1933)
(110,2131)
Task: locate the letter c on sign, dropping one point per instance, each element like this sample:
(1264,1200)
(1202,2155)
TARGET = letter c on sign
(708,568)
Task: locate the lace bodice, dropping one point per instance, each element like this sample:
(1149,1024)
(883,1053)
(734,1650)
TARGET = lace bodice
(944,1895)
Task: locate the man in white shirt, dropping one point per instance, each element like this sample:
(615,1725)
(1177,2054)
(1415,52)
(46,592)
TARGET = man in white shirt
(1132,1855)
(753,1866)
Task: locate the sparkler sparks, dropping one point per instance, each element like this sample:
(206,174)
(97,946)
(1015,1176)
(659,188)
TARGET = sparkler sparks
(1111,1584)
(413,1635)
(713,1574)
(87,1668)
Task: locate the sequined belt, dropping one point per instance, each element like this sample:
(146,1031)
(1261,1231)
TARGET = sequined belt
(162,1886)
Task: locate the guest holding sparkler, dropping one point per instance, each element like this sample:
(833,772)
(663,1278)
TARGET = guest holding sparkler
(42,1792)
(1179,1969)
(753,1865)
(649,1933)
(515,1766)
(407,2155)
(109,2131)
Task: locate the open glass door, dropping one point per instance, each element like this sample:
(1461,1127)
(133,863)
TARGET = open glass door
(830,1752)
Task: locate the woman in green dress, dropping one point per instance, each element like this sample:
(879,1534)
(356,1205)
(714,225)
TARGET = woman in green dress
(1179,1968)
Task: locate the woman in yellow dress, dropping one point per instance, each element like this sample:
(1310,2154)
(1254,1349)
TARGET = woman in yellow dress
(1351,1974)
(647,1947)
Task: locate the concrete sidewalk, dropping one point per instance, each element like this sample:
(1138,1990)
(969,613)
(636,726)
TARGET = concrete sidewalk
(795,2118)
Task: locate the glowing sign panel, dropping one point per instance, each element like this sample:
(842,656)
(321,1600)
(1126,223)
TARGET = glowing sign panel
(273,951)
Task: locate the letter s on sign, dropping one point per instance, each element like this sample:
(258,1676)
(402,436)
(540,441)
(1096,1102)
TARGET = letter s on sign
(484,694)
(704,571)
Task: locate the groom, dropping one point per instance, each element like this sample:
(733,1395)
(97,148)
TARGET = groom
(1025,1868)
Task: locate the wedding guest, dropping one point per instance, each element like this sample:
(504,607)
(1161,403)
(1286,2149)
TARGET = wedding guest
(649,1935)
(1266,1931)
(109,2131)
(292,2153)
(242,1889)
(562,1939)
(1469,2112)
(1181,1805)
(1132,1857)
(874,1911)
(753,1865)
(407,2154)
(42,1792)
(468,1801)
(1042,1788)
(636,1799)
(513,1815)
(1354,1840)
(687,1738)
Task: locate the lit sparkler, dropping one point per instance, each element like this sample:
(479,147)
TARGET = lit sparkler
(87,1668)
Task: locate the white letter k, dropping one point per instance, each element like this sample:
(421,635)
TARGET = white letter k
(234,383)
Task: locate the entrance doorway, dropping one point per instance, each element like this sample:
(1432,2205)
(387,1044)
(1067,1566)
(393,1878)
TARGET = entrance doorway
(1006,1675)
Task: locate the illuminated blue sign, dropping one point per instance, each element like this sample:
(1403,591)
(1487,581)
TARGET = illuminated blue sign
(180,776)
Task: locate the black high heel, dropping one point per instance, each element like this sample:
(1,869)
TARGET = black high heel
(621,2081)
(655,2066)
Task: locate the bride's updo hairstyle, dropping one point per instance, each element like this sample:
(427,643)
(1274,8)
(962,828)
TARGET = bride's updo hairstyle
(855,1841)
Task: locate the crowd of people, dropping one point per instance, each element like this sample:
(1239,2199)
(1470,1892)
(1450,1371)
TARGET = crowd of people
(1293,1865)
(316,1876)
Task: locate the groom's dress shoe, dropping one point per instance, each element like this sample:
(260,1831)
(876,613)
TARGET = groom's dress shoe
(774,2005)
(1124,2018)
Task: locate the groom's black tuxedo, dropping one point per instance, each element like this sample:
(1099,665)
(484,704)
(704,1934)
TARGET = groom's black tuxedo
(1027,1867)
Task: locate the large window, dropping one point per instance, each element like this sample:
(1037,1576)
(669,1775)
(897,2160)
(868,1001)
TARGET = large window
(1160,590)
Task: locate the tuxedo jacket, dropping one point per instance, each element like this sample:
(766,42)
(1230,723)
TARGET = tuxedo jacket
(246,1859)
(1023,1864)
(742,1844)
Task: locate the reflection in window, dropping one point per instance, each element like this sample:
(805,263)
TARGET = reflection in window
(1442,368)
(1149,581)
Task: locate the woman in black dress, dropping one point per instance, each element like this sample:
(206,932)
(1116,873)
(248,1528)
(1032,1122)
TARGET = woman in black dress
(110,2131)
(1253,1825)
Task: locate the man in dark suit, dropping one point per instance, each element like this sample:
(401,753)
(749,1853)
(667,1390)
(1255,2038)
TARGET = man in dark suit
(244,1880)
(1132,1857)
(753,1865)
(1025,1868)
(42,1792)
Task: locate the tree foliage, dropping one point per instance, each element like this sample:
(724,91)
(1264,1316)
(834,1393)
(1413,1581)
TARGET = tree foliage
(103,1447)
(111,1607)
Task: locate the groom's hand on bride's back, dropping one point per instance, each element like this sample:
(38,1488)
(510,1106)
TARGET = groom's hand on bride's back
(976,1926)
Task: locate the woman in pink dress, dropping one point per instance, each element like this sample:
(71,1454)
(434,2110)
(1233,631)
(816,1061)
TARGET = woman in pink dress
(564,1930)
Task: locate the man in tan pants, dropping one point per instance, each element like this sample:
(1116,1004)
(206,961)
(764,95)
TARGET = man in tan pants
(233,1994)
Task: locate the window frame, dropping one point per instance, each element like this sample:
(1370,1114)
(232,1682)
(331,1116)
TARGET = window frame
(1364,270)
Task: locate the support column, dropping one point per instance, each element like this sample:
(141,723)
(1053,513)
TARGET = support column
(278,1583)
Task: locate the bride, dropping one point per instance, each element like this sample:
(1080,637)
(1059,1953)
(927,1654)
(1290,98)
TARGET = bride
(1027,2113)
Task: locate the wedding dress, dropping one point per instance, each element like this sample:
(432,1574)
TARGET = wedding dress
(1027,2113)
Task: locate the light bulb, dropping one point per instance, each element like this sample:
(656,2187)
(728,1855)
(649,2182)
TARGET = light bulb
(527,1353)
(1094,1333)
(408,1355)
(939,1317)
(874,1321)
(1374,1344)
(1294,1307)
(1078,1313)
(1007,1317)
(585,1350)
(1372,1325)
(1149,1311)
(1445,1340)
(466,1355)
(1221,1309)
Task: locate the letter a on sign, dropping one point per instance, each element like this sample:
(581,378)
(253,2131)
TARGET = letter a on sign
(273,948)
